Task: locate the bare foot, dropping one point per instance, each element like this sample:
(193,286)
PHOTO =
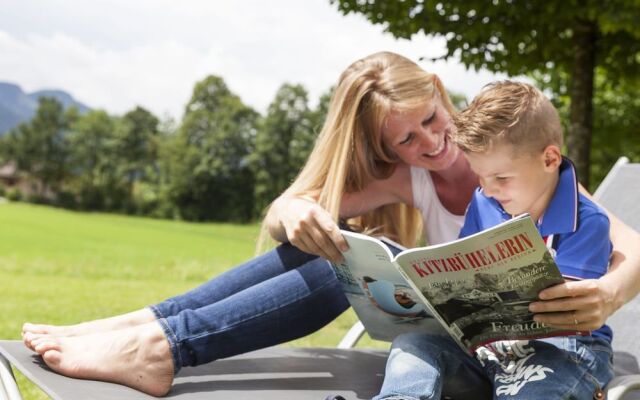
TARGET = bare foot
(138,357)
(31,331)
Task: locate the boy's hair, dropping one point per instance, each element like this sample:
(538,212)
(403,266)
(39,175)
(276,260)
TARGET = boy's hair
(508,112)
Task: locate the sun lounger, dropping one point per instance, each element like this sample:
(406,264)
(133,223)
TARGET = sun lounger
(301,373)
(276,373)
(619,193)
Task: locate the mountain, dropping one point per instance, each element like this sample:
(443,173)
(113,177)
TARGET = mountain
(16,106)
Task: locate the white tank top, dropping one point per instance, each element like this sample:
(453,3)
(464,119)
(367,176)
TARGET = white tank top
(440,225)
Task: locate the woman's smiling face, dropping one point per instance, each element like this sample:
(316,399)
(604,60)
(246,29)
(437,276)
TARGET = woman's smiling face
(420,137)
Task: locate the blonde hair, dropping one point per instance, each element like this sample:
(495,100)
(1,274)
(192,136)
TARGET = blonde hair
(508,112)
(349,151)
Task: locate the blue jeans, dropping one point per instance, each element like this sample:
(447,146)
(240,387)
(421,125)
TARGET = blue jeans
(282,295)
(425,367)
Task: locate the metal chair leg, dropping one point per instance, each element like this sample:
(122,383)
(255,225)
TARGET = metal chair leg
(8,386)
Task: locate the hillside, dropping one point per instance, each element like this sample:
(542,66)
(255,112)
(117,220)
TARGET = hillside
(16,106)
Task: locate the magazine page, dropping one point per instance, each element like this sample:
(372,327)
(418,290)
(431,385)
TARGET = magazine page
(481,286)
(380,296)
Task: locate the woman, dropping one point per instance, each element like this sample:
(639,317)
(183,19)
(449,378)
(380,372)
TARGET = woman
(384,149)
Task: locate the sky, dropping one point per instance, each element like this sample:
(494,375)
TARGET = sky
(117,54)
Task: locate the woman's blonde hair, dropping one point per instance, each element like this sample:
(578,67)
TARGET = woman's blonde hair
(349,151)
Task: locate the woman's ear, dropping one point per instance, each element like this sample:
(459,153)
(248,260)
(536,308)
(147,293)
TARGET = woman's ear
(552,157)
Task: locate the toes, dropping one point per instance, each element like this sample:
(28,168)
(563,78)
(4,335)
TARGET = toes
(45,344)
(27,342)
(34,328)
(52,358)
(30,339)
(26,337)
(26,327)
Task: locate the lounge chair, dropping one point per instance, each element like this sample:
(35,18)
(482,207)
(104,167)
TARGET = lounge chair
(302,373)
(619,192)
(276,373)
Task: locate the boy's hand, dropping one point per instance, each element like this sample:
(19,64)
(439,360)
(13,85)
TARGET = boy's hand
(575,305)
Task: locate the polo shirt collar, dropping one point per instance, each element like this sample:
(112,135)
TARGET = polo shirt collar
(561,215)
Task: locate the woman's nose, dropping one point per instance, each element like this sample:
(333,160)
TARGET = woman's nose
(428,138)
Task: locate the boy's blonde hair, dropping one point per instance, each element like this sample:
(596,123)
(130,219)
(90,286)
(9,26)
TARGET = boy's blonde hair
(508,112)
(349,152)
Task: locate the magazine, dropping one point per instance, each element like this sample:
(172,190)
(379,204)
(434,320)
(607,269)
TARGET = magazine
(476,289)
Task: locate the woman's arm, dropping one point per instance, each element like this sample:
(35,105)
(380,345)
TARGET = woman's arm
(596,299)
(624,271)
(301,221)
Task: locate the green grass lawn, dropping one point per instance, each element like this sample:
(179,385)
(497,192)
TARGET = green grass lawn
(63,267)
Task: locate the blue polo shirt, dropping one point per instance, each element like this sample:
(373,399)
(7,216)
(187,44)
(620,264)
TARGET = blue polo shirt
(580,229)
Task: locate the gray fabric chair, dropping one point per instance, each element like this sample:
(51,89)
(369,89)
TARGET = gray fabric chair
(619,192)
(276,373)
(301,374)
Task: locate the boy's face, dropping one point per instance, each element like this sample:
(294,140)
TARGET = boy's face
(521,182)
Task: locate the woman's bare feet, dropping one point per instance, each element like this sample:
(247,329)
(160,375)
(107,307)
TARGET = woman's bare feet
(138,357)
(30,331)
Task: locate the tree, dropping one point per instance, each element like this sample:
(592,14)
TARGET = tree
(616,118)
(210,177)
(39,147)
(94,163)
(529,36)
(616,122)
(136,149)
(282,144)
(458,100)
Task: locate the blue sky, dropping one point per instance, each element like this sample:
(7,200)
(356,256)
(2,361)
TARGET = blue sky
(116,54)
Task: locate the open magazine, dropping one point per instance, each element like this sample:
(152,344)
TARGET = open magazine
(476,289)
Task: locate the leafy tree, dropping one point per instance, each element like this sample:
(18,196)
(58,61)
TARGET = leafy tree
(136,149)
(458,100)
(39,147)
(528,36)
(10,145)
(282,144)
(93,162)
(210,176)
(616,122)
(152,193)
(616,118)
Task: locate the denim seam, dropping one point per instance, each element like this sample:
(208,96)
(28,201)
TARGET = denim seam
(254,316)
(586,374)
(171,338)
(173,343)
(154,309)
(579,382)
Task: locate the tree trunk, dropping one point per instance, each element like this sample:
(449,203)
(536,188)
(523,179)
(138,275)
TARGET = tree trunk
(581,94)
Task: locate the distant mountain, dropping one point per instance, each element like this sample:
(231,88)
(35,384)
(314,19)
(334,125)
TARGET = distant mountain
(17,106)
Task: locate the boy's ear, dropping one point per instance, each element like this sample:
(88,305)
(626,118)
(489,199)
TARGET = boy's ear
(552,157)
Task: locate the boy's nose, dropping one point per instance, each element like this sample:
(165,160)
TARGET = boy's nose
(489,189)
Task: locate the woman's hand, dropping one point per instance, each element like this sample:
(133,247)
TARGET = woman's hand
(575,305)
(309,227)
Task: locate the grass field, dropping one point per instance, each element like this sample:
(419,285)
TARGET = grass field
(63,267)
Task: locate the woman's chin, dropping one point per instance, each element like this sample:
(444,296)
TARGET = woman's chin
(440,162)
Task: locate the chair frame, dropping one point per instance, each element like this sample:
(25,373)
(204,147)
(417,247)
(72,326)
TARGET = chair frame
(8,386)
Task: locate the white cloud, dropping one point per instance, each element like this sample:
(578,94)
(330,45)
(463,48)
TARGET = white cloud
(118,54)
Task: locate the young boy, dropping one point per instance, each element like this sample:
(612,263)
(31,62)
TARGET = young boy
(511,136)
